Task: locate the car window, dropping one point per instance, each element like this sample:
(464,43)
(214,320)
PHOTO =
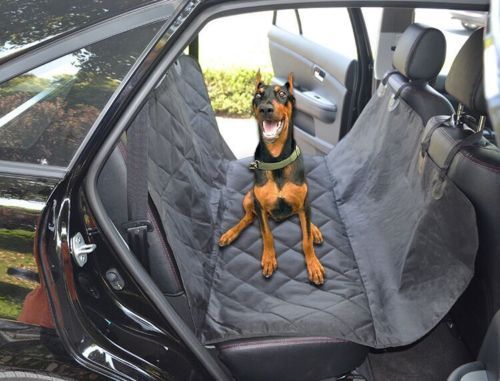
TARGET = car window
(328,27)
(26,22)
(46,112)
(373,18)
(457,26)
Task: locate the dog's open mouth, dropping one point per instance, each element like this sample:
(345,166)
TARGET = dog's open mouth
(271,129)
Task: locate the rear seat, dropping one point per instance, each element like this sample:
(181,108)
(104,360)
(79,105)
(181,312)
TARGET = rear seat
(288,357)
(475,169)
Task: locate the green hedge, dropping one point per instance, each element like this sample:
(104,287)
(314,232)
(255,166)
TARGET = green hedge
(231,90)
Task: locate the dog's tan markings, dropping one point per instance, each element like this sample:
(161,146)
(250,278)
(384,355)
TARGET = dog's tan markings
(267,194)
(269,263)
(234,232)
(258,80)
(315,269)
(316,234)
(295,195)
(277,88)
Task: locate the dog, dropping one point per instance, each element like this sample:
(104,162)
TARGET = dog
(280,187)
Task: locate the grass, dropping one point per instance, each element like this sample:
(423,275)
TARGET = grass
(17,252)
(17,240)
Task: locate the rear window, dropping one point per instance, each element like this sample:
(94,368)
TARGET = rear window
(27,22)
(46,112)
(456,26)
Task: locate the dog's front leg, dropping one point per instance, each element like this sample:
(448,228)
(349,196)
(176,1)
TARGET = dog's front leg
(247,219)
(269,263)
(315,269)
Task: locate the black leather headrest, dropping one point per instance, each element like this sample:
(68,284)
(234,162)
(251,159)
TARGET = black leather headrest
(420,52)
(465,79)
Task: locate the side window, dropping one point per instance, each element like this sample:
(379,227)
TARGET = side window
(329,27)
(457,26)
(46,112)
(373,18)
(289,20)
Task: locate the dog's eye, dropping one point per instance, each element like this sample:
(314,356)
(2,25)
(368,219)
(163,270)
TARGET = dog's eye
(258,96)
(282,94)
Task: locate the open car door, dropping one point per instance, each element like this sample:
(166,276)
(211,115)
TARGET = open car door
(326,79)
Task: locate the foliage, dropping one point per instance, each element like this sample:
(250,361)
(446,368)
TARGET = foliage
(17,240)
(231,91)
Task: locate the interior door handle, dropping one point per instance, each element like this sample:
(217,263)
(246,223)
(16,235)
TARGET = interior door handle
(319,73)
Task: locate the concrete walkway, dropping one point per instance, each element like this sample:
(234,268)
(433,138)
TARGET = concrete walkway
(240,135)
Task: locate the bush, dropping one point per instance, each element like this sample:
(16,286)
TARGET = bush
(231,91)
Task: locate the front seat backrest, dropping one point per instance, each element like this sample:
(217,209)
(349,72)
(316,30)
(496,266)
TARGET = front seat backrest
(465,79)
(417,60)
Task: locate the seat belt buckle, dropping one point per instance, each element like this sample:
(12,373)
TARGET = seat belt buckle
(138,224)
(137,237)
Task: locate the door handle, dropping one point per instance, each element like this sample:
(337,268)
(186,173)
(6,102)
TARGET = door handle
(319,73)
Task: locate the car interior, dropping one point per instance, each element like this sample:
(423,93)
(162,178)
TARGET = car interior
(405,191)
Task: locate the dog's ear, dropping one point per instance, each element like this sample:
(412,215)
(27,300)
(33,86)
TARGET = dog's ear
(289,84)
(258,80)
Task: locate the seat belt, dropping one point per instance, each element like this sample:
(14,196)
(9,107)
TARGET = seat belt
(138,225)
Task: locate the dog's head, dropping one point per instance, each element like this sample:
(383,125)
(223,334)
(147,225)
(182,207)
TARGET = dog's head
(273,107)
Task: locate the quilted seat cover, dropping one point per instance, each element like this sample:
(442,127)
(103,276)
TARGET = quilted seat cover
(396,256)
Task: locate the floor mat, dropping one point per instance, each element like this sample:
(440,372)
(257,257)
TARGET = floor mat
(432,358)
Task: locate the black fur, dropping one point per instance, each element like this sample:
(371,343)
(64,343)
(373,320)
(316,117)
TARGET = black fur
(282,210)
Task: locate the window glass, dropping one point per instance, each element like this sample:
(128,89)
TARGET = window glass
(246,46)
(373,18)
(26,22)
(287,19)
(457,26)
(46,112)
(330,28)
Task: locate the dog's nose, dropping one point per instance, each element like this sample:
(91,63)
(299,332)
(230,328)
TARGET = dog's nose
(266,109)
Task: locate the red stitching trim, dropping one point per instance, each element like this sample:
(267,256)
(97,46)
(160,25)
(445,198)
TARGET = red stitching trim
(469,156)
(165,248)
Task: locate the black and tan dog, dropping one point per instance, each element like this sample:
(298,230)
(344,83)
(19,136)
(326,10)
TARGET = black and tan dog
(280,188)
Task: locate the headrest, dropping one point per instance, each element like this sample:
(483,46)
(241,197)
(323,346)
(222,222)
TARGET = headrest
(420,52)
(465,79)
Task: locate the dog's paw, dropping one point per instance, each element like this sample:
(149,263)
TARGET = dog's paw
(226,238)
(316,234)
(269,264)
(316,271)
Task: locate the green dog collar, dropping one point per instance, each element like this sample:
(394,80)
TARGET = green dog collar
(263,166)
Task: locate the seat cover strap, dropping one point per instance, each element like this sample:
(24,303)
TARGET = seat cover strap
(137,186)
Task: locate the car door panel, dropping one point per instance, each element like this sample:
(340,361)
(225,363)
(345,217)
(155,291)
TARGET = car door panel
(323,85)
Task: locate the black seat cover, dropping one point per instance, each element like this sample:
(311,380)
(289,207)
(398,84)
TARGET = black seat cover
(296,356)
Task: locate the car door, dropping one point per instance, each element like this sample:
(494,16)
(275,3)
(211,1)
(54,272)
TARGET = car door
(319,47)
(51,95)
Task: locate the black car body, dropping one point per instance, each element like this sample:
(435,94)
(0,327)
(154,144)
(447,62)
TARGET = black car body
(96,313)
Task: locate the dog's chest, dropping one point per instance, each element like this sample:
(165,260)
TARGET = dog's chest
(280,201)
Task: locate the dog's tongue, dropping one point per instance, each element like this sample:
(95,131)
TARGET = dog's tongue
(269,127)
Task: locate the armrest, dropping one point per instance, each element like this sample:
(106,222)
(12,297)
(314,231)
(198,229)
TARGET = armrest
(315,105)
